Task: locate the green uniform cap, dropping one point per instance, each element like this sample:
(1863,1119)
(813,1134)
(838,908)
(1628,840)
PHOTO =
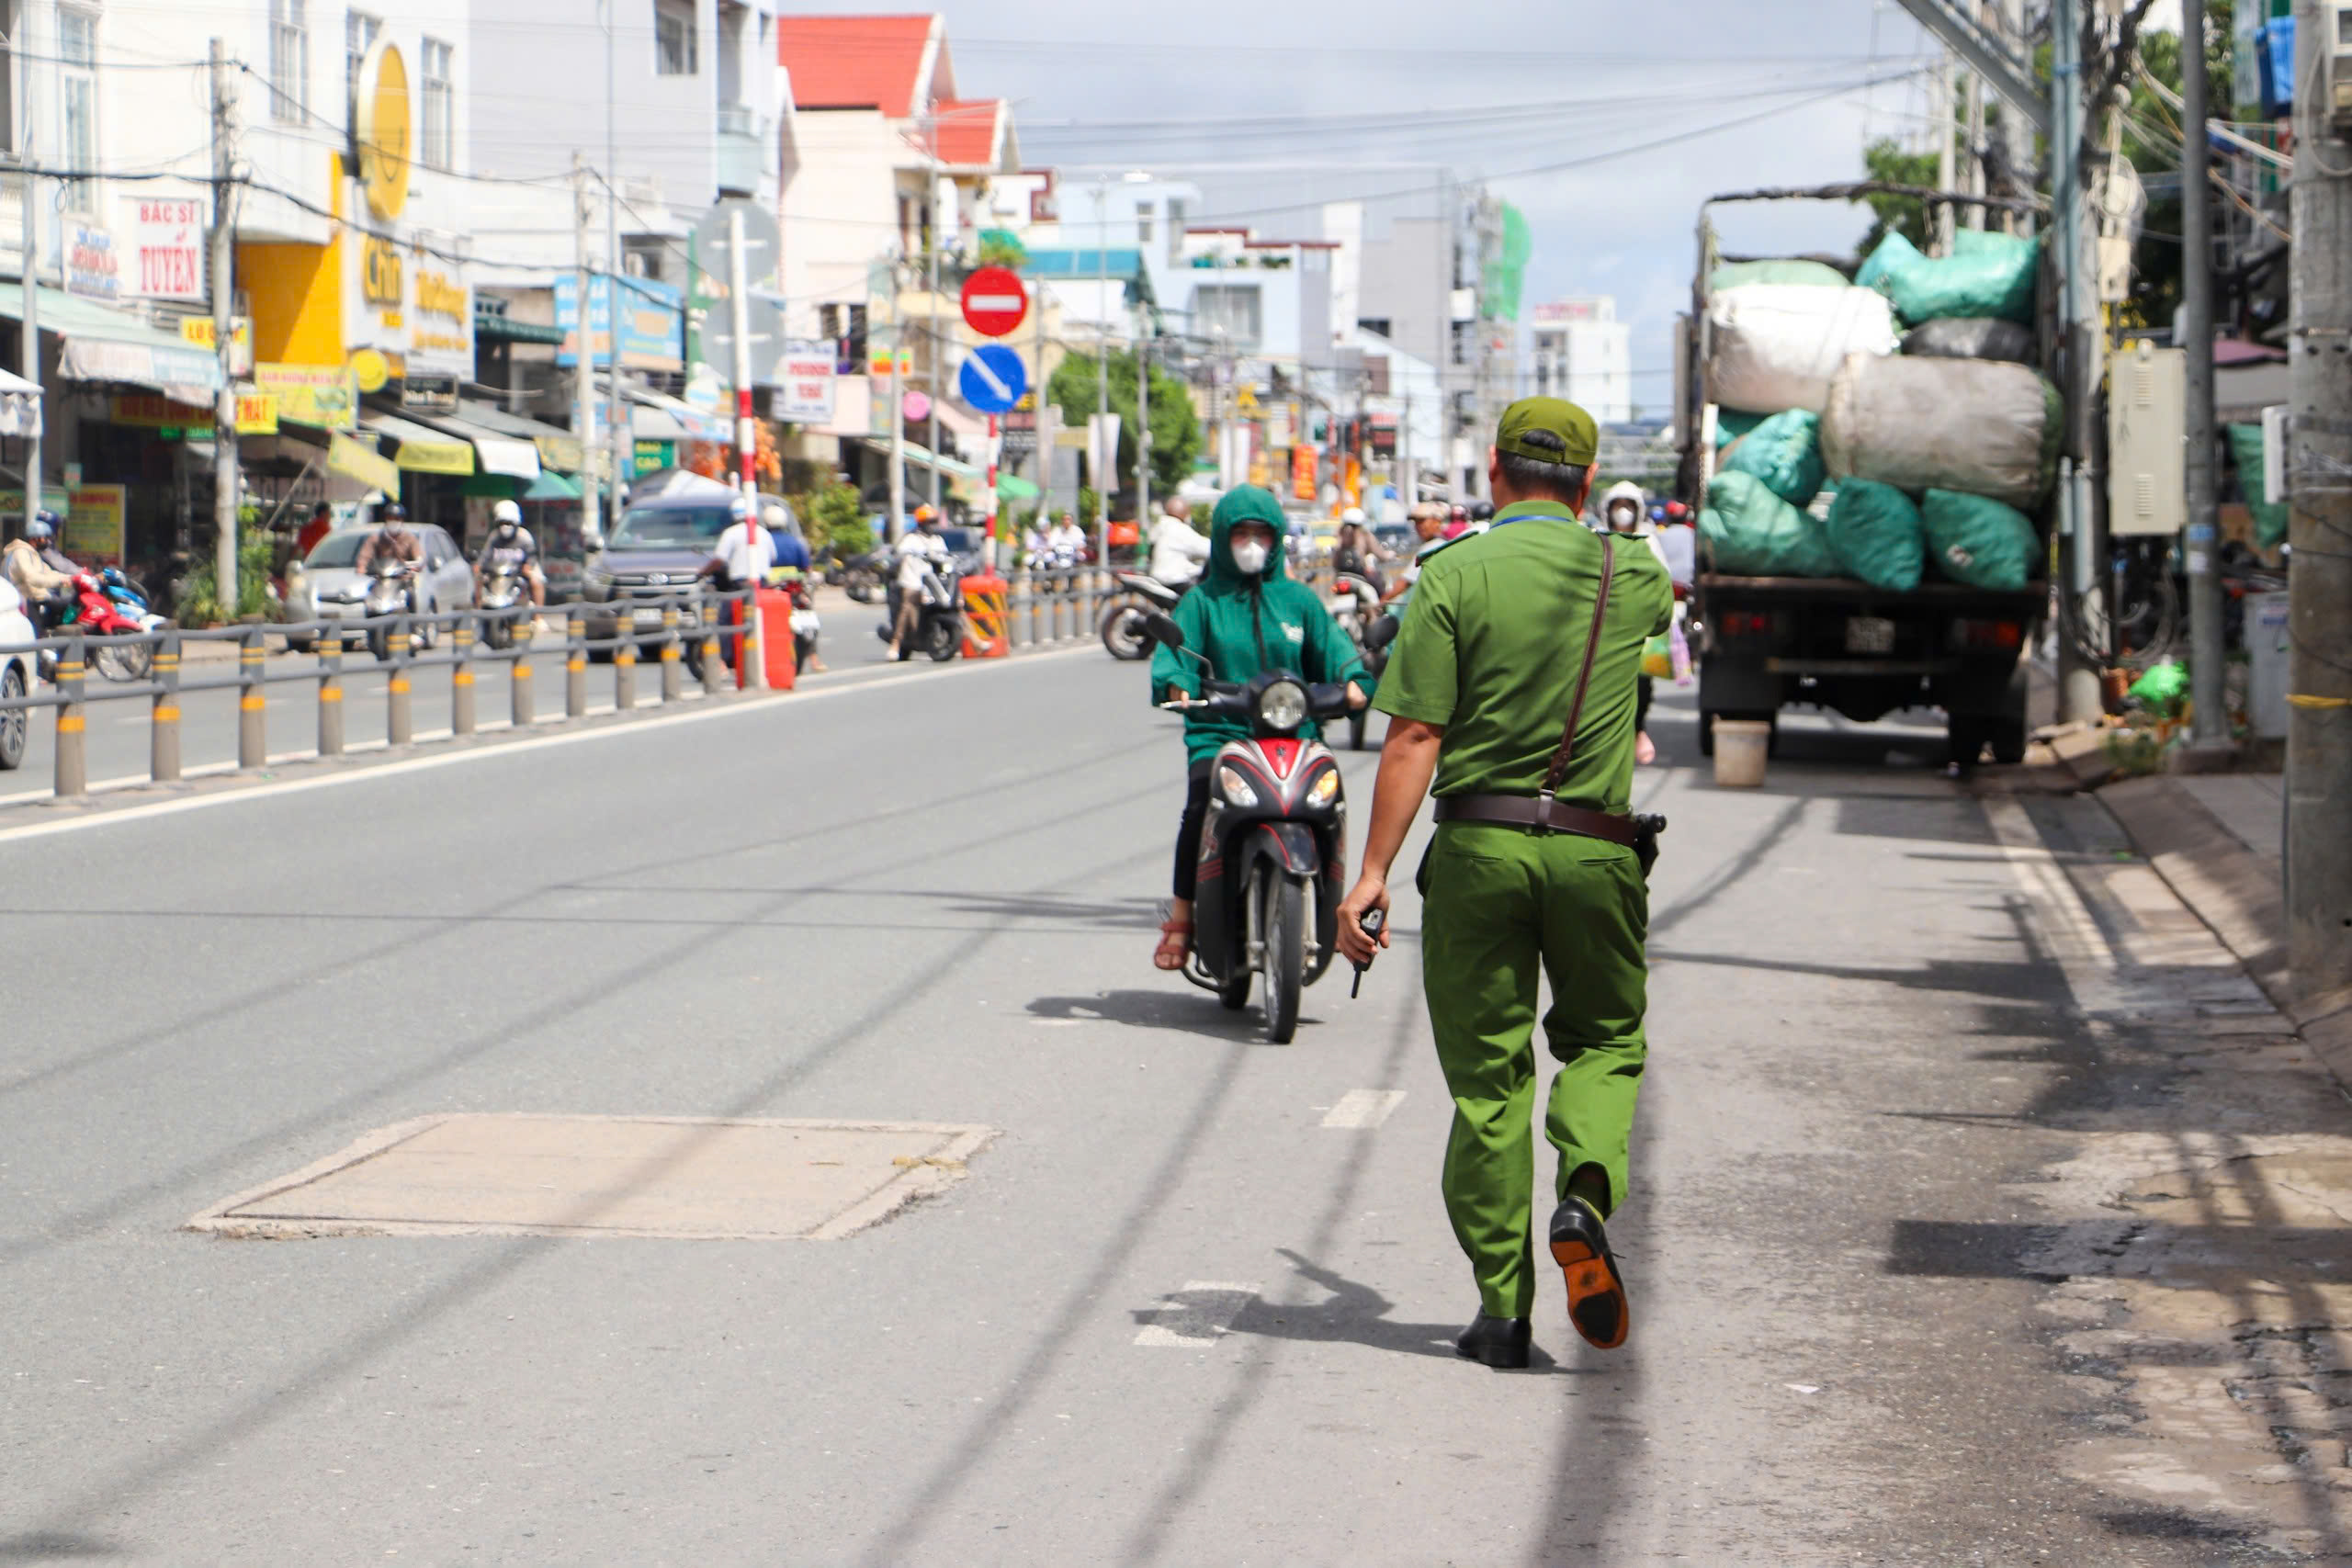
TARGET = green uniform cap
(1548,430)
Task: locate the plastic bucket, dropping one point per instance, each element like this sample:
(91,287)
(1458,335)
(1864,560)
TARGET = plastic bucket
(1741,744)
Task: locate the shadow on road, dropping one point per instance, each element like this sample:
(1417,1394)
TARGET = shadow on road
(1355,1314)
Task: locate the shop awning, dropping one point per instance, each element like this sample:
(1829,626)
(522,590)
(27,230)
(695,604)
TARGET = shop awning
(678,421)
(353,460)
(548,485)
(421,450)
(559,448)
(1012,487)
(19,406)
(922,456)
(102,343)
(493,453)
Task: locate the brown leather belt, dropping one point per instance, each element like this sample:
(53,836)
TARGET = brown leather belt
(1535,811)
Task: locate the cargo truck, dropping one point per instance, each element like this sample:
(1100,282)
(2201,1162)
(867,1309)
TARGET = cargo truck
(1769,643)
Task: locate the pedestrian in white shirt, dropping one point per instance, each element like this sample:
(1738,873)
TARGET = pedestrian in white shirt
(1178,549)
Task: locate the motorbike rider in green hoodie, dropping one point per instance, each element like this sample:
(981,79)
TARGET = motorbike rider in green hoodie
(1245,616)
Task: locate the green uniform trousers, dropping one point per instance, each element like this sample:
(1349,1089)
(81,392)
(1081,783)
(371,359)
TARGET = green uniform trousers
(1500,906)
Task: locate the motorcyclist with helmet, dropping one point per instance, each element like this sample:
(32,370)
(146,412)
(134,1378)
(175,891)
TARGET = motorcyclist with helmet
(1246,615)
(918,550)
(510,544)
(42,574)
(1624,511)
(390,541)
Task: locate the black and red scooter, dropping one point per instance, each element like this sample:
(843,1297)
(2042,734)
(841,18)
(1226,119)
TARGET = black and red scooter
(1273,849)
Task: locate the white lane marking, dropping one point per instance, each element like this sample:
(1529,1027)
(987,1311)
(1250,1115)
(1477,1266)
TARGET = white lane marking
(1196,1316)
(275,788)
(1360,1110)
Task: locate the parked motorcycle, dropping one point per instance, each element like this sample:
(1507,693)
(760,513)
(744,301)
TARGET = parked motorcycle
(106,603)
(391,591)
(1123,621)
(1273,849)
(805,624)
(505,602)
(940,633)
(862,577)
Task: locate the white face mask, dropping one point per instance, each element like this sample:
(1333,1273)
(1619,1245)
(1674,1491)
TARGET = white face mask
(1250,559)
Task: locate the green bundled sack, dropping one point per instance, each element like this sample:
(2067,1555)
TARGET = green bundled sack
(1987,275)
(1750,532)
(1733,275)
(1874,530)
(1894,253)
(1733,423)
(2164,689)
(2269,516)
(1786,453)
(1977,540)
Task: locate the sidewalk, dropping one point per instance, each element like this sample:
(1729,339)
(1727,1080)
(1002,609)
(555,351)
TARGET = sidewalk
(2217,841)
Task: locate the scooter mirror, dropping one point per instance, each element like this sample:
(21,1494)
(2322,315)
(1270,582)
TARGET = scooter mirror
(1162,629)
(1381,633)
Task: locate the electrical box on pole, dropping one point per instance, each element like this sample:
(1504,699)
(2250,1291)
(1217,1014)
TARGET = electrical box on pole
(2147,441)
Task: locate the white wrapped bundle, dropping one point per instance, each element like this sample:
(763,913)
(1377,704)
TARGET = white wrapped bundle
(1774,346)
(1979,426)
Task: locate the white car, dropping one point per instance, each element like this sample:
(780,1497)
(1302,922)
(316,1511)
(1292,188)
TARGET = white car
(331,590)
(16,673)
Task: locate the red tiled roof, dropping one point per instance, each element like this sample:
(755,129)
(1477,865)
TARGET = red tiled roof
(854,61)
(968,130)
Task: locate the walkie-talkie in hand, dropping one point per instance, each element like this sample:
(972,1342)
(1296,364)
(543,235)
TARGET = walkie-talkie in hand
(1373,919)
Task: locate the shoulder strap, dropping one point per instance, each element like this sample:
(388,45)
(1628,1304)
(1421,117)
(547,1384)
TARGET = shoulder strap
(1559,767)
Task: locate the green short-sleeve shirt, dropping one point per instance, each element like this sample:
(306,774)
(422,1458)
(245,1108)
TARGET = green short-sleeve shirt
(1490,647)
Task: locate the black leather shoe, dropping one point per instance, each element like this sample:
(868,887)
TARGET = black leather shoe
(1596,1292)
(1501,1342)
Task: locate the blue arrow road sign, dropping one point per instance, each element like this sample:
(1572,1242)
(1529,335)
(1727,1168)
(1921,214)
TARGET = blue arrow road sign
(992,378)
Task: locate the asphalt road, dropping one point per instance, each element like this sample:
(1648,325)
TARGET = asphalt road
(931,898)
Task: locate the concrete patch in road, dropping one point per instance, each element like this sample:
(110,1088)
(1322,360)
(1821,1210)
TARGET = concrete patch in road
(1196,1316)
(681,1178)
(1360,1110)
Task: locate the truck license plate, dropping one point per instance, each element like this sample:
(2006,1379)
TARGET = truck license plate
(1869,634)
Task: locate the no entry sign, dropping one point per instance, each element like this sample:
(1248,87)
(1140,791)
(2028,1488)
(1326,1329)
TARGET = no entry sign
(994,301)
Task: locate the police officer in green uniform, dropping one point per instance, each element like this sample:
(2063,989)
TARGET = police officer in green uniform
(1521,880)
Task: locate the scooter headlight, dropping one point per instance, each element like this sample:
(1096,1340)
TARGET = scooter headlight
(1283,705)
(1235,788)
(1324,790)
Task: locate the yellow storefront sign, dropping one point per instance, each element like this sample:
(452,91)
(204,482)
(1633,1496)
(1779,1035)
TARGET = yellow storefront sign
(319,395)
(257,414)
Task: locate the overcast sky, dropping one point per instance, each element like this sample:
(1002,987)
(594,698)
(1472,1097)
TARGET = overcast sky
(1165,83)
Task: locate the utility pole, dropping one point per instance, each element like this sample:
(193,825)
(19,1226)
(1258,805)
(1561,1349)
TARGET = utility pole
(2078,678)
(1143,422)
(1102,378)
(2016,131)
(1973,178)
(1940,108)
(2319,722)
(584,360)
(2211,718)
(29,356)
(749,661)
(622,435)
(931,308)
(224,268)
(896,523)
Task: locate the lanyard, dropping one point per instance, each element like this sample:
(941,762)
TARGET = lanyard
(1534,517)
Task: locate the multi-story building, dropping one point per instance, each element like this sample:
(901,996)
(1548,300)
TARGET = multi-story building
(1577,349)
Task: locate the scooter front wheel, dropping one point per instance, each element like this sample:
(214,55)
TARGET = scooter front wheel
(1281,923)
(944,639)
(1123,630)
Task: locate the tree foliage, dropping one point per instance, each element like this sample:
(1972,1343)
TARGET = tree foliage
(1175,428)
(1886,160)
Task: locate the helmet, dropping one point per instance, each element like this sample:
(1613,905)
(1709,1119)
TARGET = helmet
(1353,514)
(1676,512)
(393,511)
(1481,511)
(42,526)
(506,514)
(739,510)
(925,514)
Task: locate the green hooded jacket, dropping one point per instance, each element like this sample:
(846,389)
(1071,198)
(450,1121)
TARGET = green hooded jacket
(1245,625)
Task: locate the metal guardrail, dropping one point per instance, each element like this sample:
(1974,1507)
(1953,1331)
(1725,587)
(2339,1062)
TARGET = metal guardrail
(1047,608)
(693,616)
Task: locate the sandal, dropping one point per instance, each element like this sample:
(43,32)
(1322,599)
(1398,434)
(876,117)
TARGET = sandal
(1175,946)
